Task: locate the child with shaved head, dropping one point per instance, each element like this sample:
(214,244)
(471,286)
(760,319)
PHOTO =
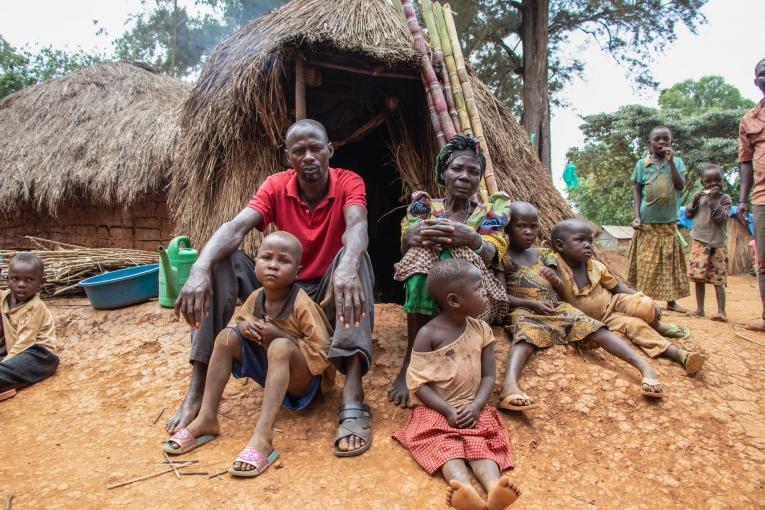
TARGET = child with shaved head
(27,331)
(450,379)
(280,340)
(590,287)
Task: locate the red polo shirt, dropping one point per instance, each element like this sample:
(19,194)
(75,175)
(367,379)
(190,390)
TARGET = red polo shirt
(321,230)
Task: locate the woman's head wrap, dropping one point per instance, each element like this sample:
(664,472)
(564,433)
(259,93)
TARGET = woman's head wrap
(457,144)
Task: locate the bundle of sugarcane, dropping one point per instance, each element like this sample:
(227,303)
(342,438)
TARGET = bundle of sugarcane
(452,104)
(66,265)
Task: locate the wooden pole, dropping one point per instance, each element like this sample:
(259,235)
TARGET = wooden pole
(490,186)
(300,106)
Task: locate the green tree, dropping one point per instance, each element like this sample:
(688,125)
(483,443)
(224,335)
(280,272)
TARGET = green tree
(520,47)
(614,141)
(20,68)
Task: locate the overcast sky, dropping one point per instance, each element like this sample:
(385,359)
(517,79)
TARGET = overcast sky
(728,45)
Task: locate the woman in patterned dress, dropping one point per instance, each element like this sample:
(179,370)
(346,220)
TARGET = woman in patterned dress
(456,226)
(540,319)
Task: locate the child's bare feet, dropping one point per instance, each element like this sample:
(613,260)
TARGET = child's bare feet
(696,313)
(502,495)
(463,497)
(719,317)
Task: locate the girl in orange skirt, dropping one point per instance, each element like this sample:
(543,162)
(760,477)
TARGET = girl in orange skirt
(450,378)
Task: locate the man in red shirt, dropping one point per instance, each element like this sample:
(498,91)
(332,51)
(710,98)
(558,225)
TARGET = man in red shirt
(325,208)
(751,155)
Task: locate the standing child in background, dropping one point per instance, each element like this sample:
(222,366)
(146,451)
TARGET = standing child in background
(540,319)
(281,341)
(656,261)
(28,333)
(589,286)
(710,210)
(450,378)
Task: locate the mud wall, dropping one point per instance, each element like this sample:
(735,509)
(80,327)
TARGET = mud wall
(142,226)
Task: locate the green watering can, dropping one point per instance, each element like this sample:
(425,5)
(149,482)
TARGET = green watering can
(175,263)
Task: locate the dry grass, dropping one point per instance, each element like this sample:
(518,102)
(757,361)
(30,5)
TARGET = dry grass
(234,121)
(739,253)
(105,133)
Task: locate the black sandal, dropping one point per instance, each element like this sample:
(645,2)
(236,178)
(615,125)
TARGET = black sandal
(355,419)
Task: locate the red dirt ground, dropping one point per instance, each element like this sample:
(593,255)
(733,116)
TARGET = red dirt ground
(594,443)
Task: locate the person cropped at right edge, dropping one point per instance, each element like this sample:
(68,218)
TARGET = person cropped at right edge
(751,155)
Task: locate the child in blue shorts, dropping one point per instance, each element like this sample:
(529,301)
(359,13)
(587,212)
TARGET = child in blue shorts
(280,340)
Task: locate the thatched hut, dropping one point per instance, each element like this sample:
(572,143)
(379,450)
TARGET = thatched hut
(85,158)
(362,81)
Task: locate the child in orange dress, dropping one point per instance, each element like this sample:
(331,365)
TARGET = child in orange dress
(450,378)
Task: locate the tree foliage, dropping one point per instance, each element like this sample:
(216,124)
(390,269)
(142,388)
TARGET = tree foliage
(633,33)
(20,68)
(175,39)
(704,128)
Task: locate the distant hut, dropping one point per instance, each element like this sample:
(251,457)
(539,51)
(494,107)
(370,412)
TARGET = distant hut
(85,158)
(362,81)
(615,237)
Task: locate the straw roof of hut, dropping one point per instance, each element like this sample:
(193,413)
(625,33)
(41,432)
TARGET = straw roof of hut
(234,122)
(105,133)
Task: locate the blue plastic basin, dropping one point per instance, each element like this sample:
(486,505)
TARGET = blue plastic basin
(122,287)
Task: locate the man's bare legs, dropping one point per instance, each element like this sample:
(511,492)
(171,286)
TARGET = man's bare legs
(398,392)
(191,401)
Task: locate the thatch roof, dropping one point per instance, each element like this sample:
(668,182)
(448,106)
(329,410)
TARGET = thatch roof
(235,119)
(104,133)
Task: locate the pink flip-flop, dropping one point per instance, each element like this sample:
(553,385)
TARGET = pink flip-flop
(7,394)
(254,458)
(185,441)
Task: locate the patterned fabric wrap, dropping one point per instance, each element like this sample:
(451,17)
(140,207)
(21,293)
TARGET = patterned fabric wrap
(433,442)
(708,264)
(487,219)
(657,263)
(566,325)
(420,260)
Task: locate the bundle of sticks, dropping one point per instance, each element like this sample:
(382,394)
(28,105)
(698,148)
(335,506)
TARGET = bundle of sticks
(68,264)
(448,89)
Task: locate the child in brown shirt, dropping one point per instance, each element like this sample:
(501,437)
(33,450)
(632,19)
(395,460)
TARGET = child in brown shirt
(450,378)
(28,334)
(281,340)
(590,287)
(710,210)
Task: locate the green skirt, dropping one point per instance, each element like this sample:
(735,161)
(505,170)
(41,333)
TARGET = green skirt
(417,298)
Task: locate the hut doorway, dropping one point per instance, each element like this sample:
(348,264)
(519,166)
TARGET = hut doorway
(370,157)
